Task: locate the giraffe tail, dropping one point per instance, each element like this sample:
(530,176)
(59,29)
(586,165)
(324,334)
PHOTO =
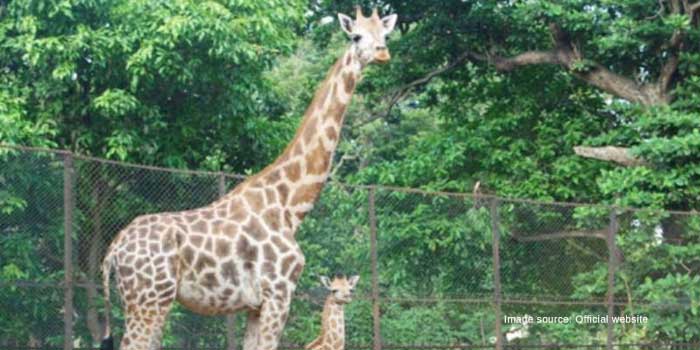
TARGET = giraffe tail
(107,341)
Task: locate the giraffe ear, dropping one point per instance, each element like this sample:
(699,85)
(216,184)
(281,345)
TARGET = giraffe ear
(346,23)
(389,22)
(326,282)
(353,280)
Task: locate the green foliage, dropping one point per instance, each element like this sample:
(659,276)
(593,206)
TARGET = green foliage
(107,78)
(221,85)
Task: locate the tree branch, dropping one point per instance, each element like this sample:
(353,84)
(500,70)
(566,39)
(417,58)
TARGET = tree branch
(618,155)
(691,9)
(526,58)
(674,44)
(666,74)
(400,93)
(694,8)
(567,55)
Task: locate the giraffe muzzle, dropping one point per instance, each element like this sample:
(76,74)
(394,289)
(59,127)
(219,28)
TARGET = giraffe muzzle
(382,56)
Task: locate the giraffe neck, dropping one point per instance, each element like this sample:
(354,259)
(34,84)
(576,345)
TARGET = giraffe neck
(333,324)
(324,117)
(299,173)
(319,133)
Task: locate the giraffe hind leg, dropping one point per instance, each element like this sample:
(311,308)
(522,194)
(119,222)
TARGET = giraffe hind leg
(144,328)
(146,266)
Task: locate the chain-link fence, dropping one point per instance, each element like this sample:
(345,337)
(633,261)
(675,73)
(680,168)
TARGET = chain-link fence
(438,270)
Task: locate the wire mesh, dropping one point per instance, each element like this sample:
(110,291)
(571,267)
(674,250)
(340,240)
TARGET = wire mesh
(436,281)
(31,242)
(545,245)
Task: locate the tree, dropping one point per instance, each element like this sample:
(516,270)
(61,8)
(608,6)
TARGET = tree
(111,77)
(605,75)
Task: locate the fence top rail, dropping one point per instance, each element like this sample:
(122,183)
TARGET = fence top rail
(474,196)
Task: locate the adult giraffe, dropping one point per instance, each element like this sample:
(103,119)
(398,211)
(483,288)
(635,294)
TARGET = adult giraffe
(239,253)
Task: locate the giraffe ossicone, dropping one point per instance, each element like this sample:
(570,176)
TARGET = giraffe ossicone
(332,335)
(239,253)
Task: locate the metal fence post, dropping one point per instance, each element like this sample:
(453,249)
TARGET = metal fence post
(497,299)
(376,317)
(68,187)
(612,267)
(230,319)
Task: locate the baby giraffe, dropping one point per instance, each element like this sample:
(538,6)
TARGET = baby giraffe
(333,318)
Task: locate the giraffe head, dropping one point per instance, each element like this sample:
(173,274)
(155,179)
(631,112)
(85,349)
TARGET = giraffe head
(341,287)
(368,35)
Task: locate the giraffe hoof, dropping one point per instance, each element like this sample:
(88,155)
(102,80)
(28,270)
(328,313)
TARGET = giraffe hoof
(107,343)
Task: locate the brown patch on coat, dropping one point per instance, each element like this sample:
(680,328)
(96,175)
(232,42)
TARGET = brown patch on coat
(298,150)
(337,111)
(307,193)
(169,241)
(200,226)
(216,226)
(245,250)
(348,82)
(272,218)
(154,247)
(317,161)
(164,285)
(229,229)
(268,252)
(236,210)
(288,218)
(331,133)
(229,272)
(207,214)
(210,281)
(255,200)
(283,190)
(223,247)
(272,177)
(125,271)
(293,171)
(287,264)
(196,240)
(255,229)
(296,272)
(268,269)
(280,244)
(204,261)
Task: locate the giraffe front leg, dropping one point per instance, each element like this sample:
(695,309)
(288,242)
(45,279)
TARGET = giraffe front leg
(252,331)
(273,317)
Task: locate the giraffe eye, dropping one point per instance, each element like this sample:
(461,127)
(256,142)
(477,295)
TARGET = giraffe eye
(356,38)
(334,291)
